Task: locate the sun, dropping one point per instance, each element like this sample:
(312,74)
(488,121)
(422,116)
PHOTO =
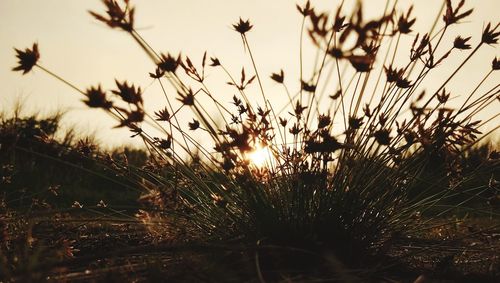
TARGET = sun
(260,156)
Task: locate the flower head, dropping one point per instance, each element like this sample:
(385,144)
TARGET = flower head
(278,77)
(495,64)
(27,58)
(490,36)
(324,121)
(405,23)
(96,98)
(361,63)
(157,74)
(214,62)
(129,94)
(452,16)
(169,63)
(355,123)
(186,98)
(382,137)
(242,26)
(163,143)
(308,87)
(194,125)
(117,17)
(162,115)
(461,43)
(306,10)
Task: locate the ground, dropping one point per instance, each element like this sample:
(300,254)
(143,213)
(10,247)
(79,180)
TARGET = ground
(117,248)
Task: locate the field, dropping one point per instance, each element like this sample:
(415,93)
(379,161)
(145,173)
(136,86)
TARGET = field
(376,168)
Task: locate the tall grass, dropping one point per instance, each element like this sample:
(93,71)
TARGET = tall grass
(346,164)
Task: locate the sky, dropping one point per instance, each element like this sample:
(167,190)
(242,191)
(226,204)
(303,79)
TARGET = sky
(86,52)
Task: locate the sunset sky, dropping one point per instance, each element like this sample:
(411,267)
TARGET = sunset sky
(86,52)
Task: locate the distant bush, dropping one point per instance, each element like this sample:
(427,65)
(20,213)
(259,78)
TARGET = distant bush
(37,167)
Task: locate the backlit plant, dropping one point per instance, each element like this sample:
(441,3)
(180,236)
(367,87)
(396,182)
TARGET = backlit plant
(343,167)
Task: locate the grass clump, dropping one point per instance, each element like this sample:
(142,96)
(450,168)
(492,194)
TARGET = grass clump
(328,188)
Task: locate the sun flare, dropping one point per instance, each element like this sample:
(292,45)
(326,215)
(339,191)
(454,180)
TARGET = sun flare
(260,156)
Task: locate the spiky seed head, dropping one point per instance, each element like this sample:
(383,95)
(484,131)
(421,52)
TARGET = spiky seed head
(495,64)
(489,35)
(27,58)
(242,26)
(278,77)
(214,62)
(96,98)
(461,43)
(194,125)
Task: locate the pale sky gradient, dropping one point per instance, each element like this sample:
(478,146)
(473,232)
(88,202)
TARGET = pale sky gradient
(86,52)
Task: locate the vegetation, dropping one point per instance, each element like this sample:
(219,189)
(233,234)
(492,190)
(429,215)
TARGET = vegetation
(369,182)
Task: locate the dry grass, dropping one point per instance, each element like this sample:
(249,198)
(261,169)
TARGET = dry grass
(347,168)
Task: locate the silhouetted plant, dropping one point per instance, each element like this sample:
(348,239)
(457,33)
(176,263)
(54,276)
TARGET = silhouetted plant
(348,189)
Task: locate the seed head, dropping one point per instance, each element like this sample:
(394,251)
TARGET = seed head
(135,116)
(279,78)
(96,98)
(324,121)
(169,63)
(295,129)
(405,23)
(370,49)
(86,146)
(129,94)
(355,123)
(419,50)
(382,119)
(452,16)
(27,58)
(117,17)
(328,145)
(339,24)
(242,26)
(443,97)
(308,87)
(392,74)
(214,62)
(299,109)
(163,143)
(283,122)
(306,10)
(382,137)
(157,74)
(396,75)
(495,65)
(489,35)
(461,43)
(335,52)
(227,164)
(162,115)
(187,98)
(361,63)
(403,83)
(194,125)
(367,111)
(336,95)
(237,101)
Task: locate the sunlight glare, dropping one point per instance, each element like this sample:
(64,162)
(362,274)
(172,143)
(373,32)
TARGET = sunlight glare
(260,156)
